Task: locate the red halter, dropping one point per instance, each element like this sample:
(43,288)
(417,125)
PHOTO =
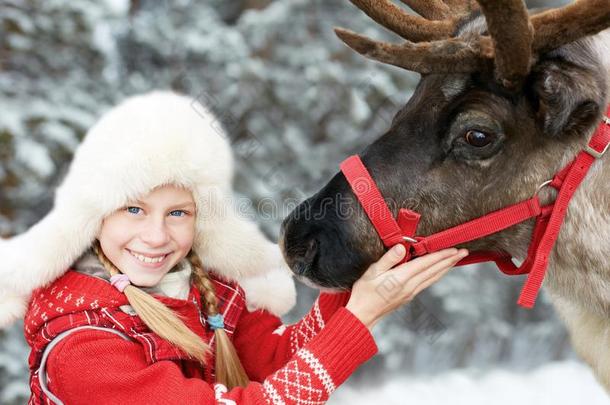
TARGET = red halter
(548,218)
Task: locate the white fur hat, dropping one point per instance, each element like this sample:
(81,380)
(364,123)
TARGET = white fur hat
(147,141)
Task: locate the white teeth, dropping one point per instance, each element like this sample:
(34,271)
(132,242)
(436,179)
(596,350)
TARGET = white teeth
(148,259)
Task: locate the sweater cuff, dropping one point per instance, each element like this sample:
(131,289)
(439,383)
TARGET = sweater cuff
(328,303)
(343,345)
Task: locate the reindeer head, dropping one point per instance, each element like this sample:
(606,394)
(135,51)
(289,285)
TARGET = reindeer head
(505,99)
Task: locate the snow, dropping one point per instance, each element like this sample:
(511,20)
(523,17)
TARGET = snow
(558,383)
(35,156)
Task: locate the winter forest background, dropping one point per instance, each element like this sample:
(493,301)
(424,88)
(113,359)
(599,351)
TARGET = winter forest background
(295,102)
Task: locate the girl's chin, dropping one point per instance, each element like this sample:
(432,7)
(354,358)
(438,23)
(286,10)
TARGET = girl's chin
(145,282)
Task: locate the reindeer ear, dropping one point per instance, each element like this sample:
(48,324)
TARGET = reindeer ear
(568,97)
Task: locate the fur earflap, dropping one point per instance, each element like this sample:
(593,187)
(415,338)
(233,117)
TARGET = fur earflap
(147,141)
(12,307)
(277,282)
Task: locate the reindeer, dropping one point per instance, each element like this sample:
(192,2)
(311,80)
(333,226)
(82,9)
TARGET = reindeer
(506,99)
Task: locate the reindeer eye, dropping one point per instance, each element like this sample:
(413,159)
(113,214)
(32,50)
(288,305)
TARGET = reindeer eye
(477,138)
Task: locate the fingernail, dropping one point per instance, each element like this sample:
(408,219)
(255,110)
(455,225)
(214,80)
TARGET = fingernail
(398,250)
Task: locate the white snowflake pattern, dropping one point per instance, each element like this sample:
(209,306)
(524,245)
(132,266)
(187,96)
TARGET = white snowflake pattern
(304,331)
(280,330)
(220,391)
(296,385)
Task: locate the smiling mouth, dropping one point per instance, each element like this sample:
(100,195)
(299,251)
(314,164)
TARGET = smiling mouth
(148,259)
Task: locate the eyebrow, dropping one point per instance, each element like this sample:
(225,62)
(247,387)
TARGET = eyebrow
(173,207)
(182,205)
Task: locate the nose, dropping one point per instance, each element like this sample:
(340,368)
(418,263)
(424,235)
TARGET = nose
(301,256)
(299,241)
(155,233)
(305,257)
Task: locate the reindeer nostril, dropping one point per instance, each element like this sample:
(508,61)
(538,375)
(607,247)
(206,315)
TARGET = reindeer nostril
(312,251)
(304,262)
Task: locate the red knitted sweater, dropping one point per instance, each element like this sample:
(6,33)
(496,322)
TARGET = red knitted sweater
(297,364)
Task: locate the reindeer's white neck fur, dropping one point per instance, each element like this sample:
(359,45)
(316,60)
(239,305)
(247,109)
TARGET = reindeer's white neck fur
(602,44)
(580,264)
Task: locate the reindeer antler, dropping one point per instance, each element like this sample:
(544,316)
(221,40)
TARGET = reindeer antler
(442,10)
(567,24)
(439,22)
(410,27)
(430,9)
(513,34)
(509,26)
(445,56)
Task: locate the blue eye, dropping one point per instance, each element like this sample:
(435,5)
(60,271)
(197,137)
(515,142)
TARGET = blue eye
(177,213)
(134,210)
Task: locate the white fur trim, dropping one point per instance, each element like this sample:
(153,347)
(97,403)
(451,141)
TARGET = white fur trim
(12,308)
(273,291)
(146,141)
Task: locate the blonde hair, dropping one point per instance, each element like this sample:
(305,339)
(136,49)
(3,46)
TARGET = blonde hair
(165,323)
(229,369)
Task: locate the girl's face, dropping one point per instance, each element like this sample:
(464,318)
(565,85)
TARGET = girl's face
(148,237)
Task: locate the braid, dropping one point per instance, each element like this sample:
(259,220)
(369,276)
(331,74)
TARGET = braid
(158,317)
(205,285)
(229,370)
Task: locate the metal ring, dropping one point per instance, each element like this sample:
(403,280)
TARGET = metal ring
(540,187)
(409,239)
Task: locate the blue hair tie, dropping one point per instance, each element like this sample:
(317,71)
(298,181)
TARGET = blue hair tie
(216,321)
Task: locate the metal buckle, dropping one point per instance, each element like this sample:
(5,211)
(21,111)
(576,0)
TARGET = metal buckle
(593,152)
(409,239)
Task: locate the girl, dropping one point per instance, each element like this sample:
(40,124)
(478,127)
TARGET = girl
(169,298)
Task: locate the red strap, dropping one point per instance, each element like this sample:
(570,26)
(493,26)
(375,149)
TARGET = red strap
(374,205)
(601,139)
(548,222)
(573,178)
(407,221)
(480,227)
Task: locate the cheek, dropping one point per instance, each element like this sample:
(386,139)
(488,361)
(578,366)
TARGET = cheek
(185,236)
(113,234)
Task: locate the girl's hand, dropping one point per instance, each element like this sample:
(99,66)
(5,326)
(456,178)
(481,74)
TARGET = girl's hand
(382,288)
